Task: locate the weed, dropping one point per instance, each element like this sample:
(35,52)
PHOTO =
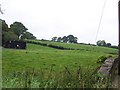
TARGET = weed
(64,79)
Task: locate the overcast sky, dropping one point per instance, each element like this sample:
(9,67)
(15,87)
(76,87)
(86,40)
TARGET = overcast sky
(49,18)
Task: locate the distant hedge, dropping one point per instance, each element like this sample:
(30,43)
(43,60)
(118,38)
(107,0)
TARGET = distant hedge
(50,45)
(116,47)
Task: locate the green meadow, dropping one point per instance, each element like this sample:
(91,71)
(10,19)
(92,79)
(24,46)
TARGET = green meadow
(36,58)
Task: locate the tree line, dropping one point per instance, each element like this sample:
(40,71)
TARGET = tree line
(73,39)
(66,39)
(103,43)
(16,32)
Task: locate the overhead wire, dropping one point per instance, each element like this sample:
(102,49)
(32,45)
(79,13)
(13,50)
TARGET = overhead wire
(100,20)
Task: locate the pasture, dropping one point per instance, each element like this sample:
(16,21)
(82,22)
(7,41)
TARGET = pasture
(36,58)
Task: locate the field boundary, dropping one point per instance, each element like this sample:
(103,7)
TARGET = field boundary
(52,46)
(110,70)
(109,67)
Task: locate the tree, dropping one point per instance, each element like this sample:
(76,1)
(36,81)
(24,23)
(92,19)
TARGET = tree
(7,33)
(64,39)
(17,31)
(59,39)
(108,44)
(71,39)
(9,36)
(54,39)
(101,43)
(18,28)
(75,39)
(28,35)
(4,26)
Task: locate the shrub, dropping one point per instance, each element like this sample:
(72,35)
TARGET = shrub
(101,59)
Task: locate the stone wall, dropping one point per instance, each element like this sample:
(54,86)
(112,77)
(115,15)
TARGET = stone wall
(109,67)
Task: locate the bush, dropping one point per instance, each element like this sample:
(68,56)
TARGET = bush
(101,59)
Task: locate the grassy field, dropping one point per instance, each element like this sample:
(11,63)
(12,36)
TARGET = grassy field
(79,46)
(41,57)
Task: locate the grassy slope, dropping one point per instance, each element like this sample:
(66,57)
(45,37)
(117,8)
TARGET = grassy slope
(36,56)
(80,46)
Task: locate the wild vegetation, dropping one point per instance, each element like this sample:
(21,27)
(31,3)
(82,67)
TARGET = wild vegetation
(46,67)
(67,78)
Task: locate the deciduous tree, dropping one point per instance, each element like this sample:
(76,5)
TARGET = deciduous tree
(101,43)
(18,28)
(54,39)
(59,39)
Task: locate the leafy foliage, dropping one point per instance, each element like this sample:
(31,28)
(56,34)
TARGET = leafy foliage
(9,36)
(64,39)
(102,58)
(108,44)
(28,35)
(69,39)
(17,31)
(4,26)
(101,43)
(54,39)
(18,28)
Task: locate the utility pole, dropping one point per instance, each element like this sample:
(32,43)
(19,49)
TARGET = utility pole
(119,37)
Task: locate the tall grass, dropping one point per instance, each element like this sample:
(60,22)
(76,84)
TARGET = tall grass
(63,79)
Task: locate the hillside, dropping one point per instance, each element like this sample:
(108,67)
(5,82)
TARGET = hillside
(37,56)
(74,46)
(44,66)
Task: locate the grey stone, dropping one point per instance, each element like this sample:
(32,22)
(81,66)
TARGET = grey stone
(107,67)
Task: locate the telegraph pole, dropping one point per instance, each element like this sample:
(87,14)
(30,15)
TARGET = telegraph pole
(119,37)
